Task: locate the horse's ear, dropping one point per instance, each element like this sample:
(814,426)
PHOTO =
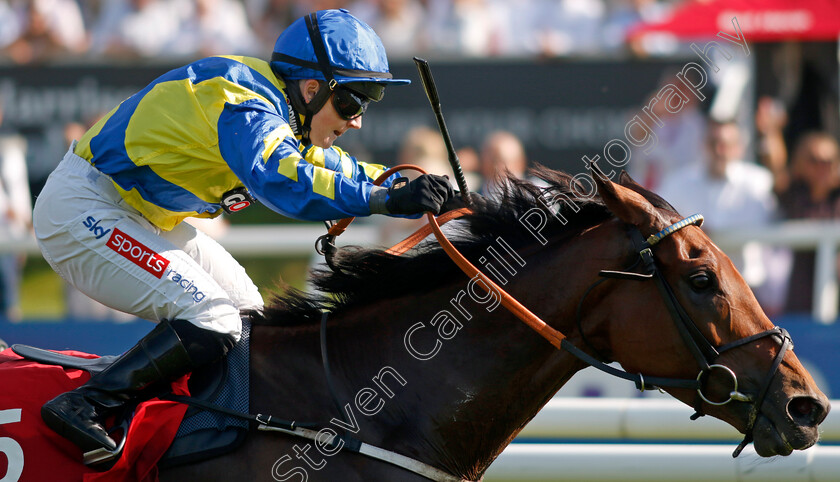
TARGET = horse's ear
(627,204)
(625,180)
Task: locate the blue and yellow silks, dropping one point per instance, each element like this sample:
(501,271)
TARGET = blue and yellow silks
(220,123)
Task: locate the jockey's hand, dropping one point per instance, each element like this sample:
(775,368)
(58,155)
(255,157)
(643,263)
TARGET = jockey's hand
(426,193)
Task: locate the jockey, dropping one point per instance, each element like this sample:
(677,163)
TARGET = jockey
(208,137)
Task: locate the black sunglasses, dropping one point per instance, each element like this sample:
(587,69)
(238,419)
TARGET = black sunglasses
(349,105)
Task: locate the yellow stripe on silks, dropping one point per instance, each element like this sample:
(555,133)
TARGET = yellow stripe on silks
(274,139)
(260,66)
(315,156)
(372,170)
(323,182)
(288,166)
(173,131)
(346,165)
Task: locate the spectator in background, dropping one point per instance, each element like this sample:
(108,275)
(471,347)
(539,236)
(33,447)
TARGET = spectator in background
(471,165)
(680,140)
(50,29)
(10,24)
(813,193)
(501,153)
(568,27)
(214,27)
(267,17)
(398,22)
(138,28)
(90,10)
(625,14)
(770,121)
(471,28)
(732,194)
(15,217)
(728,190)
(422,147)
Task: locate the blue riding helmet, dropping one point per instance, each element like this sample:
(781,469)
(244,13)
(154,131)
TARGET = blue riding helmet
(334,46)
(338,48)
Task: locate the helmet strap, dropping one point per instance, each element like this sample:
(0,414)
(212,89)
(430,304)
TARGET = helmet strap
(295,104)
(317,103)
(299,104)
(320,50)
(309,109)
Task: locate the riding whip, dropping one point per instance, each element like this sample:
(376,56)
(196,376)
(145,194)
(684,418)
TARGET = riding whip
(431,92)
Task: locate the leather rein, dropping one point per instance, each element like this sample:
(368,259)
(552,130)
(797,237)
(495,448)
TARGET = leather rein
(701,349)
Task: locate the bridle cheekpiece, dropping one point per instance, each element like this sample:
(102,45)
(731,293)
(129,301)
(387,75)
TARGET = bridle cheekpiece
(704,352)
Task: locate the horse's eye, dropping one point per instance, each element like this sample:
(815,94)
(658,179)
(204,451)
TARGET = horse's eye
(700,281)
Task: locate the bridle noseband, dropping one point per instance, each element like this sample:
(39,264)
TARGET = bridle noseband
(704,352)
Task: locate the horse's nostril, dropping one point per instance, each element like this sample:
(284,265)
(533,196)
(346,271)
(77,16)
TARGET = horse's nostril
(806,411)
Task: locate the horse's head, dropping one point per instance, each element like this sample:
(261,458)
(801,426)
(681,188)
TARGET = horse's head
(748,373)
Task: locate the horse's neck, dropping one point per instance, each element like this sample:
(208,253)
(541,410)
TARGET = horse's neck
(441,377)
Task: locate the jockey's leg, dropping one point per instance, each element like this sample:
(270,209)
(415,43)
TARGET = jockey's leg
(107,250)
(168,352)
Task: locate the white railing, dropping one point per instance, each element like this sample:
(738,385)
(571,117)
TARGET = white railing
(645,421)
(821,236)
(639,420)
(256,240)
(659,463)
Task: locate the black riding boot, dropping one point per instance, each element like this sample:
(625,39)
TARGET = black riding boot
(167,353)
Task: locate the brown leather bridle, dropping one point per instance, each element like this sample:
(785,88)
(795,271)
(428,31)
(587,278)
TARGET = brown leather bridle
(701,349)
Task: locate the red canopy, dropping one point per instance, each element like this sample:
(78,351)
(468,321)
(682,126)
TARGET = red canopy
(759,20)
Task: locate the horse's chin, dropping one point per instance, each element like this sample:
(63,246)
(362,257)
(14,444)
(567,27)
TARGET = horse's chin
(769,440)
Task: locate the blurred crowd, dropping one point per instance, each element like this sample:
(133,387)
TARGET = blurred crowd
(61,30)
(740,178)
(739,173)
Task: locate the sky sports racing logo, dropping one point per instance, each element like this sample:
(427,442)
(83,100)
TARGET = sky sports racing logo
(141,255)
(186,284)
(138,253)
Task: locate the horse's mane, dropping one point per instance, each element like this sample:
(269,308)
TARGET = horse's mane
(368,274)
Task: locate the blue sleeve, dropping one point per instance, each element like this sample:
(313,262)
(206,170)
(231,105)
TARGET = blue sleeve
(259,146)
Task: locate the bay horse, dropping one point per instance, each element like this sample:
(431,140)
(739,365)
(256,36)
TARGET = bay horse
(425,363)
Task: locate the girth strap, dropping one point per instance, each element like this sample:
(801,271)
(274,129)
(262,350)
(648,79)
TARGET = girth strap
(312,431)
(353,445)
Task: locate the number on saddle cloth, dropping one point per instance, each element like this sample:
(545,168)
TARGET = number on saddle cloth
(202,434)
(92,366)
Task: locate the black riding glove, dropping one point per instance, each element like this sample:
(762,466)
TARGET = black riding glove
(426,193)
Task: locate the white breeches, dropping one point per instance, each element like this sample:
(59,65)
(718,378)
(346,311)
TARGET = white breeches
(110,252)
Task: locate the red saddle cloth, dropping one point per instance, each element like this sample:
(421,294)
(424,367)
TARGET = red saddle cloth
(31,452)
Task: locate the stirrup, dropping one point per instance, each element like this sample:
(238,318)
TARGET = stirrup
(104,458)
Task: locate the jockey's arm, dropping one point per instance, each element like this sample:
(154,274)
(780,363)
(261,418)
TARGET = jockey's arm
(314,184)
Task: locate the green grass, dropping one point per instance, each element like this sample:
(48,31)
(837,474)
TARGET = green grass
(42,290)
